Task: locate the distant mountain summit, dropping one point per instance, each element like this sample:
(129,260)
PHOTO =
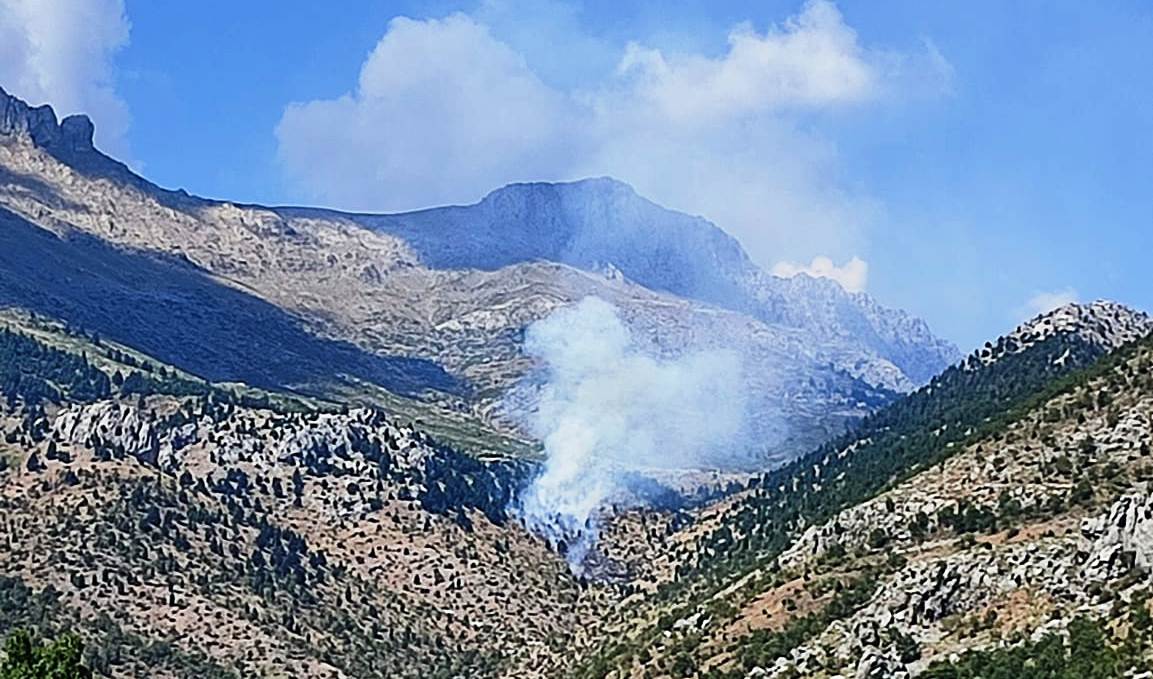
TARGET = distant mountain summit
(430,305)
(594,223)
(1091,329)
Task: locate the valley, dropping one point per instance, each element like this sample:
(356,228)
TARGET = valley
(247,441)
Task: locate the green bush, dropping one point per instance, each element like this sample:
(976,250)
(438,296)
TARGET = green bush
(27,658)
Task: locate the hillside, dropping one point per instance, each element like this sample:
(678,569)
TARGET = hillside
(184,528)
(426,311)
(246,441)
(994,504)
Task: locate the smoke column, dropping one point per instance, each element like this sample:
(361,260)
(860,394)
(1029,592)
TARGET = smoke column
(608,411)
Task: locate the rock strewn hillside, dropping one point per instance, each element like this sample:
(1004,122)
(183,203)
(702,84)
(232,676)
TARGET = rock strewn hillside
(251,541)
(1101,325)
(883,554)
(1014,536)
(185,529)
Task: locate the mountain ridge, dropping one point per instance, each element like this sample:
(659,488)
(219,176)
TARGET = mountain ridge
(816,358)
(1104,324)
(603,221)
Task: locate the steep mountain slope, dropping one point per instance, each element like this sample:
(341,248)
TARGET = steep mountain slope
(431,305)
(602,224)
(185,531)
(946,522)
(188,529)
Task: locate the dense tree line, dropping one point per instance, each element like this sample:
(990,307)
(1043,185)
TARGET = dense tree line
(31,372)
(1090,650)
(26,657)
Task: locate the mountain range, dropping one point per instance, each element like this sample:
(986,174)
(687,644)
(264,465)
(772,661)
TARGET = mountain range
(428,306)
(244,441)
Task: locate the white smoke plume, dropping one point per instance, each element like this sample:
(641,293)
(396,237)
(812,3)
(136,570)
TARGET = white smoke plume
(608,413)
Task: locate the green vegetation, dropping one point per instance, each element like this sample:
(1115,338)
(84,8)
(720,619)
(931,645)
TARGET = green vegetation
(32,372)
(1091,651)
(47,364)
(46,361)
(454,426)
(958,408)
(108,649)
(27,658)
(762,647)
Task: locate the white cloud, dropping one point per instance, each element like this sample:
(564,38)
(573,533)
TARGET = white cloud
(444,111)
(59,52)
(1046,301)
(440,112)
(813,60)
(853,276)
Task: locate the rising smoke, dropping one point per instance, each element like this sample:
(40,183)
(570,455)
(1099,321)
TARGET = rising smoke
(608,413)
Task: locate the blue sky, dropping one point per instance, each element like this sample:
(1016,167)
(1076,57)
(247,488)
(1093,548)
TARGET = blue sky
(979,159)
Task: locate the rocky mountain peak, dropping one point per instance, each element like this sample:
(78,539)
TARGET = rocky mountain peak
(1103,322)
(600,222)
(604,189)
(1103,325)
(39,124)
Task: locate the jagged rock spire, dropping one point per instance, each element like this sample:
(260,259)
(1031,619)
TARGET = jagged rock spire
(38,123)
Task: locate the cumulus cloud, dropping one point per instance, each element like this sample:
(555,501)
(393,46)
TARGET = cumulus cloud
(853,276)
(814,59)
(440,112)
(445,111)
(1048,300)
(59,52)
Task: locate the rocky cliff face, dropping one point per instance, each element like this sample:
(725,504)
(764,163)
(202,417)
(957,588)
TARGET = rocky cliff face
(39,124)
(68,140)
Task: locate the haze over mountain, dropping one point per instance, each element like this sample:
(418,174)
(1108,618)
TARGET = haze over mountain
(249,441)
(430,304)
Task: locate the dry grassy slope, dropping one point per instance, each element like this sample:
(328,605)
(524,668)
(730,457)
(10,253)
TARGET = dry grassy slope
(1055,513)
(347,283)
(276,544)
(185,537)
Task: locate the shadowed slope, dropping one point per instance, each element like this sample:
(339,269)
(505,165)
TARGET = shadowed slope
(176,312)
